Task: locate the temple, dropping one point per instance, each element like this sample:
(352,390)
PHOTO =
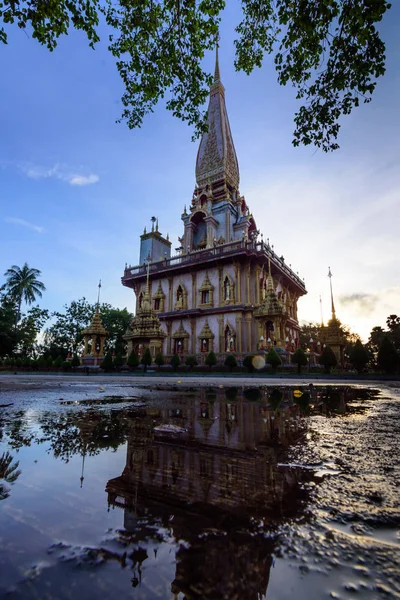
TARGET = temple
(225,290)
(332,334)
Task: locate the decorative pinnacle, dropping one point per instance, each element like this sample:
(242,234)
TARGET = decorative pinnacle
(330,281)
(217,76)
(98,297)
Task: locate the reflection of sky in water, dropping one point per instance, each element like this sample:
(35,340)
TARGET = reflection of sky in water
(190,515)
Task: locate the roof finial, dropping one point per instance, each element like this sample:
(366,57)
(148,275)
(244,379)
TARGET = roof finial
(98,297)
(157,224)
(217,76)
(320,305)
(330,281)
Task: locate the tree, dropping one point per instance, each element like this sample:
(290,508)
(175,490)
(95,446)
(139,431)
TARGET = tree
(159,359)
(58,362)
(300,359)
(376,338)
(66,332)
(147,359)
(8,332)
(75,362)
(23,284)
(191,362)
(359,356)
(9,473)
(393,325)
(116,322)
(211,359)
(309,331)
(330,51)
(248,363)
(231,362)
(328,359)
(133,360)
(175,361)
(388,359)
(273,358)
(118,362)
(107,363)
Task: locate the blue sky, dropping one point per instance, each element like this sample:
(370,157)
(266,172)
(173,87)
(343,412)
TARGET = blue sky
(77,189)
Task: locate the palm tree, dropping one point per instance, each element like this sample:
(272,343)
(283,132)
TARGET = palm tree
(8,472)
(23,284)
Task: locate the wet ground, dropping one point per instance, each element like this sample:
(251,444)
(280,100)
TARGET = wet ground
(109,490)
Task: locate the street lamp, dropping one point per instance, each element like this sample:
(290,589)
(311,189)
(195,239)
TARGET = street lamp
(262,342)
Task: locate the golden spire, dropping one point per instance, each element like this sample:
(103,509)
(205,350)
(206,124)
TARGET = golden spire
(330,281)
(270,282)
(98,297)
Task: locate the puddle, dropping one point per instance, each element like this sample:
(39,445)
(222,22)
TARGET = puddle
(209,494)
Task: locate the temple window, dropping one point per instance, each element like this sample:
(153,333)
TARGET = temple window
(181,297)
(140,300)
(157,303)
(178,346)
(205,297)
(204,345)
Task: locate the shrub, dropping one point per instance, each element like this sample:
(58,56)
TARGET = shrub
(107,363)
(41,362)
(328,359)
(118,361)
(26,363)
(299,358)
(175,362)
(275,399)
(133,360)
(248,363)
(75,362)
(211,359)
(273,359)
(231,362)
(191,362)
(359,356)
(388,359)
(147,358)
(49,362)
(18,362)
(159,359)
(58,362)
(66,365)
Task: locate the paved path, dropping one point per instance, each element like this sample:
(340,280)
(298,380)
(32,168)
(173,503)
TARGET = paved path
(10,380)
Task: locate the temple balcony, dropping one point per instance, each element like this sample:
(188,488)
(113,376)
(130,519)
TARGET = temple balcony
(236,249)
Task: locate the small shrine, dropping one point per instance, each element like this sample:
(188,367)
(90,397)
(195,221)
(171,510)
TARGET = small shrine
(332,333)
(94,337)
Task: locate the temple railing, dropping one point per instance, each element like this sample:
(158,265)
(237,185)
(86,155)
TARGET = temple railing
(196,256)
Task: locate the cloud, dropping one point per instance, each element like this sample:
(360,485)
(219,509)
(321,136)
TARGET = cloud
(72,176)
(364,304)
(83,179)
(23,223)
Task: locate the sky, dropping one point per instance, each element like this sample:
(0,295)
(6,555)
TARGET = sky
(77,188)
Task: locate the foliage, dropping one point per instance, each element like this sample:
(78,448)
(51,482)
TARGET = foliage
(376,338)
(211,359)
(147,358)
(191,362)
(159,359)
(393,325)
(58,362)
(66,365)
(248,363)
(388,358)
(328,359)
(107,362)
(273,358)
(133,360)
(116,322)
(175,361)
(309,331)
(231,362)
(75,362)
(66,332)
(359,356)
(23,284)
(330,51)
(118,361)
(300,359)
(9,473)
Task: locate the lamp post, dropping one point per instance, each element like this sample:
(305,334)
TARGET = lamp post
(287,343)
(311,344)
(262,339)
(204,345)
(269,343)
(231,348)
(179,347)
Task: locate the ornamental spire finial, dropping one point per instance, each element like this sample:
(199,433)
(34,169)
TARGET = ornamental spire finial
(332,303)
(217,76)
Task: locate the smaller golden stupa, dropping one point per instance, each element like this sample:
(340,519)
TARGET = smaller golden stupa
(94,337)
(332,333)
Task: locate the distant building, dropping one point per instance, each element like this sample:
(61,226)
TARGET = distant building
(226,290)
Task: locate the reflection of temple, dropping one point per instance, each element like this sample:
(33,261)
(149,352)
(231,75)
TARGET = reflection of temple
(219,474)
(226,289)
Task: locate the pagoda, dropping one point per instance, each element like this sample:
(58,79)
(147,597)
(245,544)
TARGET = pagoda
(332,333)
(94,337)
(225,289)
